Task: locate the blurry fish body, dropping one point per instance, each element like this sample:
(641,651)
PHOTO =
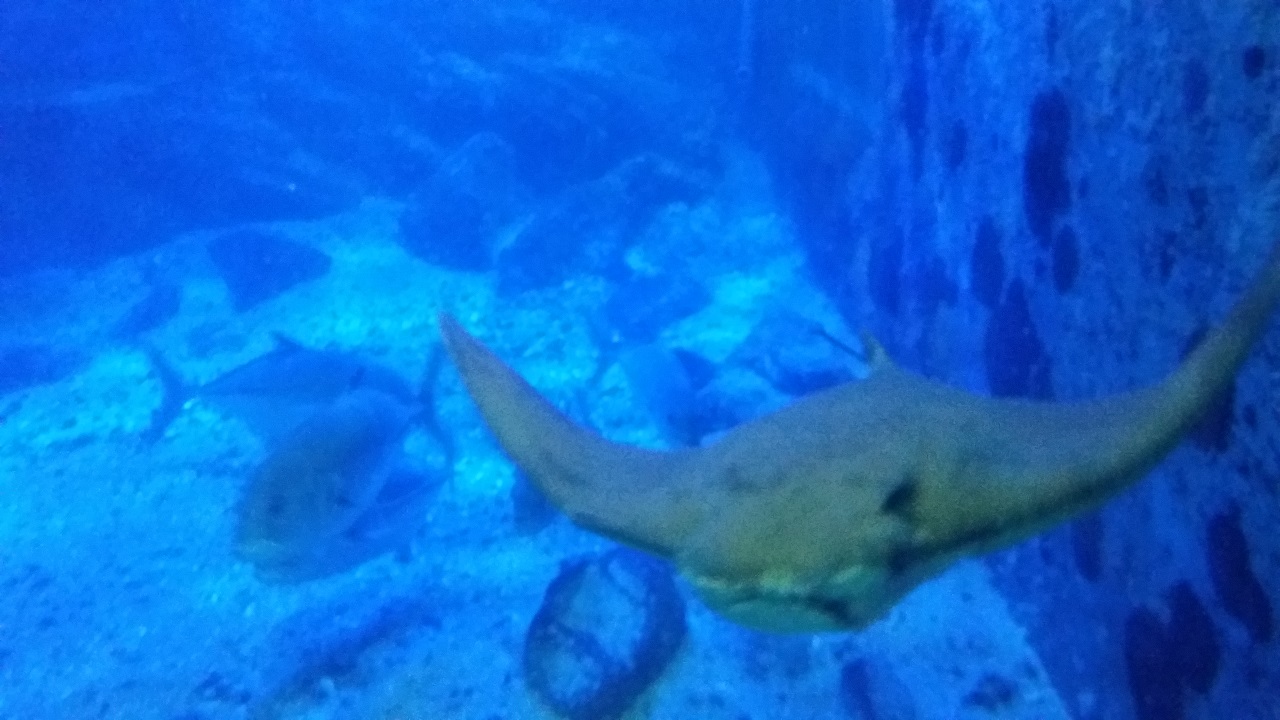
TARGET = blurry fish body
(321,479)
(276,392)
(339,490)
(388,525)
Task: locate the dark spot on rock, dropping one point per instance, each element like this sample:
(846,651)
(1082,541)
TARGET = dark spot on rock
(1252,61)
(1066,260)
(1155,180)
(934,287)
(1234,582)
(1046,192)
(607,628)
(1250,416)
(218,689)
(938,39)
(1087,534)
(913,18)
(1212,432)
(1193,638)
(1052,30)
(986,266)
(1195,87)
(884,275)
(1154,682)
(1168,251)
(993,693)
(256,266)
(914,104)
(1198,199)
(956,148)
(1017,363)
(901,501)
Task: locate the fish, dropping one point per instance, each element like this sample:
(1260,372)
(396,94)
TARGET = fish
(339,489)
(389,525)
(275,392)
(321,479)
(822,515)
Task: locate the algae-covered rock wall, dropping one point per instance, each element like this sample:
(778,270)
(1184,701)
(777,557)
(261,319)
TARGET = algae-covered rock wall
(1062,196)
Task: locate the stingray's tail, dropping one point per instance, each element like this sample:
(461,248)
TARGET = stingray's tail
(1211,367)
(624,492)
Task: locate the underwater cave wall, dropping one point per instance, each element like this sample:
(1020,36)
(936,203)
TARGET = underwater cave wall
(1062,196)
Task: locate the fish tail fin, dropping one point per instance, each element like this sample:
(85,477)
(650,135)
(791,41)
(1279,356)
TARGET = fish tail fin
(174,392)
(620,491)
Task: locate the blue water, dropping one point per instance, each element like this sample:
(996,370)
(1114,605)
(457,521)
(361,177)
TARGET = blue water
(219,224)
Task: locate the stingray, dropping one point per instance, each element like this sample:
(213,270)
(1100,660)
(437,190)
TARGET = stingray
(276,391)
(823,515)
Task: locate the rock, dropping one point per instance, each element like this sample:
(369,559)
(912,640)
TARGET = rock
(588,229)
(884,276)
(1230,569)
(569,125)
(257,266)
(1066,259)
(993,694)
(607,628)
(1046,191)
(345,641)
(140,164)
(1154,680)
(454,219)
(790,352)
(1087,533)
(871,689)
(986,266)
(1193,638)
(27,365)
(161,303)
(1018,365)
(642,306)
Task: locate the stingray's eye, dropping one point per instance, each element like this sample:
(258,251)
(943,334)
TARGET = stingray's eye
(902,500)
